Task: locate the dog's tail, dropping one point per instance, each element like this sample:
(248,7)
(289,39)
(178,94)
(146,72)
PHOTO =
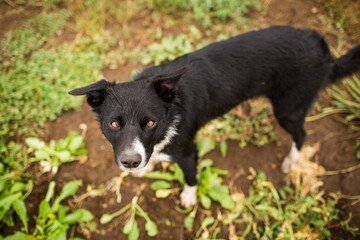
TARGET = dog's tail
(346,64)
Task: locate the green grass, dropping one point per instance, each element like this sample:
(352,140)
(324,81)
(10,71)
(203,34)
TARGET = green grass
(39,86)
(21,42)
(205,12)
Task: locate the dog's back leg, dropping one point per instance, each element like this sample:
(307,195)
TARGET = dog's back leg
(291,118)
(294,125)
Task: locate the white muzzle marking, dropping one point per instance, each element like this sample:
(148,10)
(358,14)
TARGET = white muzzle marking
(136,147)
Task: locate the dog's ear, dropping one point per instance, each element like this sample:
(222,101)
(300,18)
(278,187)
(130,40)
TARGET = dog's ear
(95,93)
(165,85)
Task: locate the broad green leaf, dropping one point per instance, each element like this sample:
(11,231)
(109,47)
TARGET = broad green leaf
(208,221)
(75,143)
(34,143)
(51,191)
(79,215)
(64,156)
(227,202)
(20,209)
(205,145)
(86,215)
(41,155)
(17,187)
(44,209)
(7,201)
(178,174)
(134,232)
(189,222)
(205,163)
(160,184)
(205,201)
(129,225)
(151,228)
(68,190)
(223,148)
(106,218)
(7,217)
(20,236)
(61,211)
(58,234)
(3,184)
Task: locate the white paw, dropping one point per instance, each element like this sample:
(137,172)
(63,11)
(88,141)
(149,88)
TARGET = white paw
(188,196)
(287,165)
(290,160)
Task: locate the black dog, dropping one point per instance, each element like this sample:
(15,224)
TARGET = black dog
(157,115)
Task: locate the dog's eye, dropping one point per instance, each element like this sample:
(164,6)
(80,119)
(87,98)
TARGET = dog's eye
(115,125)
(150,124)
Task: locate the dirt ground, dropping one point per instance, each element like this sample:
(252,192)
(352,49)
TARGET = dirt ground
(336,151)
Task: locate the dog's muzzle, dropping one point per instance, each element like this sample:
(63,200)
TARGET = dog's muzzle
(130,161)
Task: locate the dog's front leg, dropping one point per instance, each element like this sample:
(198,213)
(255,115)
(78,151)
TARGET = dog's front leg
(187,162)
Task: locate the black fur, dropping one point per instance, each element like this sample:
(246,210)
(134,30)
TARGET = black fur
(287,65)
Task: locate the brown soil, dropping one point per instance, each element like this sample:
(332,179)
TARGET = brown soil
(336,152)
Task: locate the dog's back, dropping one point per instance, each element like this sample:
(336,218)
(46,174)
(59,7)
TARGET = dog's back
(274,62)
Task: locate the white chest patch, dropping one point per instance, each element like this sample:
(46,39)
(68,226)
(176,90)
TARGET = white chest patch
(157,155)
(171,132)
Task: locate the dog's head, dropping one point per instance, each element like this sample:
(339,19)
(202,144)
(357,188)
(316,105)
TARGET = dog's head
(134,116)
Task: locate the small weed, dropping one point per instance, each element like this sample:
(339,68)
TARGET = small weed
(162,186)
(131,228)
(253,126)
(172,47)
(54,219)
(15,185)
(169,49)
(205,12)
(54,154)
(286,213)
(210,188)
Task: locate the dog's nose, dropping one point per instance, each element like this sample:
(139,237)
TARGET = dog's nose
(131,161)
